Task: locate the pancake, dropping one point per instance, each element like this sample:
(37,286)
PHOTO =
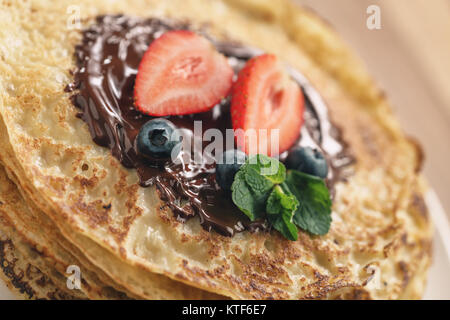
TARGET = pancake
(38,240)
(58,245)
(24,278)
(379,243)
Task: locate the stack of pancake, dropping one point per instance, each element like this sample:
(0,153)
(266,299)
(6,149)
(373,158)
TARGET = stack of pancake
(66,201)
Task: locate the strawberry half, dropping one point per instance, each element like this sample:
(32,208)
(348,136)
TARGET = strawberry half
(181,73)
(265,97)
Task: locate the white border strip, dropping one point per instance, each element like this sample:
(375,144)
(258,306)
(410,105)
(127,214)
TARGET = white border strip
(440,219)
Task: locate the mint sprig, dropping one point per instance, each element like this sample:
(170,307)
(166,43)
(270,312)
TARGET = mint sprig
(253,183)
(262,189)
(314,211)
(249,202)
(281,206)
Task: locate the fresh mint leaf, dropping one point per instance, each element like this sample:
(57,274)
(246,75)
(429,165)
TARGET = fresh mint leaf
(283,225)
(263,189)
(253,183)
(281,199)
(281,206)
(249,202)
(270,168)
(257,182)
(314,211)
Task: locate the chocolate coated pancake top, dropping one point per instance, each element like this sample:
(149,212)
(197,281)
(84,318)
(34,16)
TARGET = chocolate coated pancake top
(107,64)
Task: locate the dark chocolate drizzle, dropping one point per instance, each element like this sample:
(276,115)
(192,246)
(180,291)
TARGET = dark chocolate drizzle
(107,63)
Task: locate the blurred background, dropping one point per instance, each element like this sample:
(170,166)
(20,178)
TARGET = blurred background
(410,59)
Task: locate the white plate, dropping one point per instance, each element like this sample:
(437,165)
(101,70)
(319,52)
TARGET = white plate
(438,286)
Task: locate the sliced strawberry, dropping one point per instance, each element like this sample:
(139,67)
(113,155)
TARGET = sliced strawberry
(264,97)
(181,73)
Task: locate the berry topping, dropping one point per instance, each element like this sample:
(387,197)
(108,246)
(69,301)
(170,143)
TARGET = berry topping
(232,160)
(265,97)
(181,73)
(307,160)
(156,140)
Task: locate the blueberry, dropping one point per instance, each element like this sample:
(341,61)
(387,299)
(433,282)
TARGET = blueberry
(154,140)
(232,160)
(307,160)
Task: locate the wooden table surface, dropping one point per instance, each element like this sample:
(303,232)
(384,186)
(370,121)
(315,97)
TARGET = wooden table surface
(410,59)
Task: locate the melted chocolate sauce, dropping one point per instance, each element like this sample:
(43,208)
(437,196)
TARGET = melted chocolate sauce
(107,63)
